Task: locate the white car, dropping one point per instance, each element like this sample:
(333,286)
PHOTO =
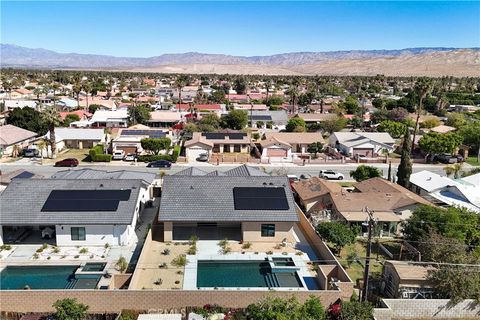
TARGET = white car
(330,175)
(130,157)
(118,155)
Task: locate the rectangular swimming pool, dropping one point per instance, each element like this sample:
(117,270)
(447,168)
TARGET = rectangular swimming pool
(242,274)
(44,277)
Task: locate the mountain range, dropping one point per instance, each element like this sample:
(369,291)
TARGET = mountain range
(405,62)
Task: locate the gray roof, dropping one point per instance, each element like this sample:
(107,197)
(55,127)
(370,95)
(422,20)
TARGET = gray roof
(216,173)
(77,134)
(191,171)
(245,171)
(23,199)
(279,117)
(210,198)
(88,173)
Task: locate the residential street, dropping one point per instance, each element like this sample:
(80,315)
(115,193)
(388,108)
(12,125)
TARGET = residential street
(48,170)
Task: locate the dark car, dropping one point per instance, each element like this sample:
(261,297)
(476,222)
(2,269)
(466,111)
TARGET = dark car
(69,162)
(159,164)
(447,158)
(31,153)
(203,157)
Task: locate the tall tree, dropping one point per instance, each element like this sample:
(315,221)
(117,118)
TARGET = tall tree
(405,166)
(422,87)
(52,119)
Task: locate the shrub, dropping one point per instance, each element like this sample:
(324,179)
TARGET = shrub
(56,250)
(69,309)
(154,157)
(44,246)
(107,245)
(96,154)
(192,250)
(122,264)
(193,240)
(247,245)
(166,252)
(35,256)
(180,261)
(176,153)
(6,247)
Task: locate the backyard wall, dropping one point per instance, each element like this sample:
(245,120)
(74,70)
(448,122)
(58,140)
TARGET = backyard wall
(100,301)
(427,309)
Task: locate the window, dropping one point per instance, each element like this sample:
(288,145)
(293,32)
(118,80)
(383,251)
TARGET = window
(237,148)
(77,233)
(268,230)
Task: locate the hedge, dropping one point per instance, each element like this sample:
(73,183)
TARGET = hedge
(96,154)
(176,153)
(154,157)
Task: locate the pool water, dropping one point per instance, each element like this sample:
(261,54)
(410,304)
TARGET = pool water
(254,274)
(44,277)
(92,267)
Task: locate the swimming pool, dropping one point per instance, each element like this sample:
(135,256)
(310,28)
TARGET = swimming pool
(45,277)
(241,274)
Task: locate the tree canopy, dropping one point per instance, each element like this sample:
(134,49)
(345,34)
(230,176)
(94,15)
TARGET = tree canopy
(70,309)
(155,145)
(235,119)
(394,128)
(337,233)
(434,142)
(287,309)
(364,172)
(27,118)
(139,114)
(296,124)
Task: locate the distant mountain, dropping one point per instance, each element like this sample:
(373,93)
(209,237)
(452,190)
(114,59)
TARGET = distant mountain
(462,62)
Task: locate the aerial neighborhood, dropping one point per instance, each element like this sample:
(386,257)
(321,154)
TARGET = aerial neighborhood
(324,187)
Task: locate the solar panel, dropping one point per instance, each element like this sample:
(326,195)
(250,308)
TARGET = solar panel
(222,135)
(261,118)
(258,198)
(150,133)
(84,200)
(24,175)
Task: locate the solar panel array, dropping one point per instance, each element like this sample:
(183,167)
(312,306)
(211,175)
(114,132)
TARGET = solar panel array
(84,200)
(261,117)
(150,133)
(24,175)
(260,198)
(222,135)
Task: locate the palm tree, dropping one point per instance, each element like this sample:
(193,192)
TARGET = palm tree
(422,88)
(267,85)
(180,82)
(77,88)
(87,87)
(42,144)
(51,117)
(293,93)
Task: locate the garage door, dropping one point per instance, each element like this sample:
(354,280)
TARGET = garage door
(127,149)
(368,152)
(277,153)
(194,152)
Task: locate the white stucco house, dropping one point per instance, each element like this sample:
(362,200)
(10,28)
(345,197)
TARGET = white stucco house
(82,212)
(287,146)
(77,138)
(369,144)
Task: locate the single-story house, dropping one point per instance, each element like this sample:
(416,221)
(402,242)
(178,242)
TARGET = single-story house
(13,104)
(247,208)
(287,146)
(129,139)
(391,204)
(216,142)
(315,190)
(201,108)
(278,118)
(77,138)
(83,115)
(317,117)
(67,103)
(250,107)
(445,192)
(81,212)
(105,118)
(164,119)
(11,136)
(20,94)
(404,280)
(107,104)
(369,144)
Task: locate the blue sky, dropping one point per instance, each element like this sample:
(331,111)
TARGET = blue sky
(143,29)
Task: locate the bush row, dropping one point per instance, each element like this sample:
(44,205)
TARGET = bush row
(96,154)
(154,157)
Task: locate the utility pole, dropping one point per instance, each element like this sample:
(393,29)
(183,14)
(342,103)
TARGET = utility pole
(371,223)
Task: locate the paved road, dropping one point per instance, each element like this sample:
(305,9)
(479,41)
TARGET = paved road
(48,170)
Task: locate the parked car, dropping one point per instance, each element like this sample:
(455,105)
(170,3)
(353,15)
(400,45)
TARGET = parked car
(31,153)
(159,164)
(331,175)
(130,157)
(305,176)
(69,162)
(447,158)
(202,157)
(292,178)
(360,157)
(118,155)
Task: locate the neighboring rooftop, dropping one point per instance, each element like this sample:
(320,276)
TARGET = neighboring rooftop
(62,134)
(88,173)
(315,187)
(10,134)
(22,201)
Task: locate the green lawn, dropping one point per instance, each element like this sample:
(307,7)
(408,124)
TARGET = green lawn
(80,154)
(472,160)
